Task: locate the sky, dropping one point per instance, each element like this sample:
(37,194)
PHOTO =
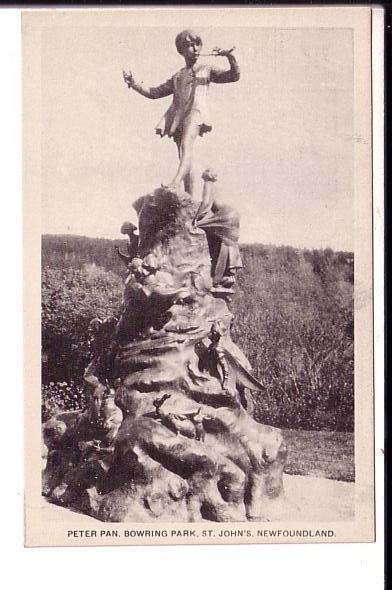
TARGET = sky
(282,139)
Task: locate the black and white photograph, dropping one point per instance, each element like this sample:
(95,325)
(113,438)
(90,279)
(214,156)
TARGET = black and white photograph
(198,187)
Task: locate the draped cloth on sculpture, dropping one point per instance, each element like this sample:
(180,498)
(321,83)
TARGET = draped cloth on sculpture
(222,229)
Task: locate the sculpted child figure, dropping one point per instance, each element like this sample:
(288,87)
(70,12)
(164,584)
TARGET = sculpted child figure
(185,120)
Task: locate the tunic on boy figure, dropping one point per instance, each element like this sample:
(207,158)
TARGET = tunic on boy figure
(186,118)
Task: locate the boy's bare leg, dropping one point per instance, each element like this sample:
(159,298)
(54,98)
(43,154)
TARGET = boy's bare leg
(189,181)
(184,172)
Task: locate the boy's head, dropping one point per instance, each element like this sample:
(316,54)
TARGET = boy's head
(189,45)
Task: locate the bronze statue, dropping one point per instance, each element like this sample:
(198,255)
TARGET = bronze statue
(185,120)
(197,420)
(221,224)
(218,356)
(157,403)
(128,229)
(177,423)
(200,455)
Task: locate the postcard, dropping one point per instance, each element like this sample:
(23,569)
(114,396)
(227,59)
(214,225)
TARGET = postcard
(198,275)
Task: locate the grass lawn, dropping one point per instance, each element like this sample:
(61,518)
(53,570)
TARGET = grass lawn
(320,454)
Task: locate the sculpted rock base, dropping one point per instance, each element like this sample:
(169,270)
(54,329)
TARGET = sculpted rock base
(167,434)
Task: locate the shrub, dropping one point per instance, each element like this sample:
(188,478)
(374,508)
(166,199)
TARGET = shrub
(296,327)
(70,299)
(61,397)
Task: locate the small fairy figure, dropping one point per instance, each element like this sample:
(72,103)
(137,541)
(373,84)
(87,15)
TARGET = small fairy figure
(218,355)
(221,224)
(128,229)
(185,120)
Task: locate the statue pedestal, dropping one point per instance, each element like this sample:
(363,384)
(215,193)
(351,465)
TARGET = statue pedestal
(167,435)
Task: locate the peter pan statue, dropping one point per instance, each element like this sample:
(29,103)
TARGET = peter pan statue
(186,117)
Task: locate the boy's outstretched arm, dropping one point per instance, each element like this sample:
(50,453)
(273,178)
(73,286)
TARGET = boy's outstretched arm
(160,91)
(223,76)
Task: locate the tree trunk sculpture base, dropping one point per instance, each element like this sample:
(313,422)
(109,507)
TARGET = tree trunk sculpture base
(167,434)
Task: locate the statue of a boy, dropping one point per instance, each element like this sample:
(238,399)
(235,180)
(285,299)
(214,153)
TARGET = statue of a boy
(185,119)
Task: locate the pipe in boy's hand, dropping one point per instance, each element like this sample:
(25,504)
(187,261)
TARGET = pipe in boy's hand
(222,52)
